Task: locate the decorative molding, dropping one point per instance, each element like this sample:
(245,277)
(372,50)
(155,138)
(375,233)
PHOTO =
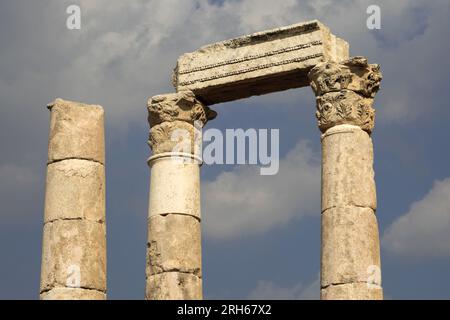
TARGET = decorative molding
(247,70)
(252,57)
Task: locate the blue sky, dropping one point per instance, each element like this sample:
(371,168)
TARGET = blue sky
(125,53)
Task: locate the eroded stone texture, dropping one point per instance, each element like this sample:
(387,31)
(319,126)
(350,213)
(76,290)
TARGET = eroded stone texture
(350,250)
(345,107)
(175,245)
(71,248)
(174,286)
(76,131)
(256,64)
(74,237)
(174,187)
(75,190)
(177,136)
(182,106)
(345,92)
(350,264)
(347,168)
(352,291)
(354,74)
(174,234)
(74,293)
(176,121)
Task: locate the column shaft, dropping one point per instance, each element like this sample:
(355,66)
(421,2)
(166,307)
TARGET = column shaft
(350,258)
(174,234)
(74,236)
(173,269)
(350,241)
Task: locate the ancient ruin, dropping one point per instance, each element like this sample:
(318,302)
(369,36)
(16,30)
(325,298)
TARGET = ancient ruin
(285,58)
(74,240)
(289,57)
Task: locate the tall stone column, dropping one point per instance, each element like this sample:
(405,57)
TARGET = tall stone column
(74,237)
(350,261)
(173,269)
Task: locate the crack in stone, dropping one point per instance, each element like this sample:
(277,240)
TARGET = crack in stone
(174,270)
(74,158)
(352,282)
(176,214)
(75,219)
(349,206)
(63,287)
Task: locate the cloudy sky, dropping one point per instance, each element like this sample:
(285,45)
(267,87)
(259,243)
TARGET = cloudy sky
(261,234)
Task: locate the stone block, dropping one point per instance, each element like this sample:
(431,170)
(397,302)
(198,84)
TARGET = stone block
(350,246)
(76,131)
(174,187)
(174,245)
(75,189)
(348,178)
(74,255)
(257,64)
(174,286)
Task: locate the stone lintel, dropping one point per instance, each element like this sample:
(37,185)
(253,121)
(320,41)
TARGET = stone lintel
(257,64)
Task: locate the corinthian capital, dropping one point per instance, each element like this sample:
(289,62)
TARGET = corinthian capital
(176,120)
(345,107)
(182,106)
(345,92)
(355,74)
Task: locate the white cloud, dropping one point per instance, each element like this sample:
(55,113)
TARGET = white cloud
(425,230)
(244,202)
(125,52)
(268,290)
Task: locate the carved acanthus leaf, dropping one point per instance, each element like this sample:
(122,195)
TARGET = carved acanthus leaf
(355,74)
(345,107)
(176,136)
(182,106)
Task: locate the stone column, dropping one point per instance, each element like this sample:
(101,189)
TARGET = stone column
(74,237)
(350,262)
(173,269)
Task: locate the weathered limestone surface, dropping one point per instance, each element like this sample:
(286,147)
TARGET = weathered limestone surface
(257,64)
(69,245)
(182,106)
(350,264)
(175,121)
(350,245)
(178,248)
(174,286)
(348,178)
(74,237)
(174,235)
(174,187)
(352,291)
(345,92)
(75,190)
(76,131)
